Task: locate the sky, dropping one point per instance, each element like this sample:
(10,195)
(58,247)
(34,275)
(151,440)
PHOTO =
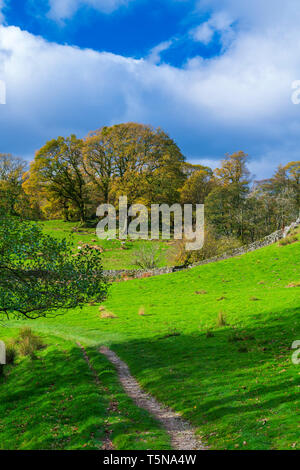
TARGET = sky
(216,75)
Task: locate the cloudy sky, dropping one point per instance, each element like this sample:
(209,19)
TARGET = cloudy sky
(215,74)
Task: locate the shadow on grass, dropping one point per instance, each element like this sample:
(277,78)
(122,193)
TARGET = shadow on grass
(217,383)
(53,403)
(227,394)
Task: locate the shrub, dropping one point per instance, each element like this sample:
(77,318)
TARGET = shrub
(288,240)
(178,254)
(213,246)
(147,256)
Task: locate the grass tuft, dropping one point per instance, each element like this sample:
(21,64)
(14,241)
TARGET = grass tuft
(221,319)
(11,353)
(108,315)
(142,311)
(28,343)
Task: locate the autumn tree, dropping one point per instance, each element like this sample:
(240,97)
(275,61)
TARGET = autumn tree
(99,163)
(58,172)
(134,159)
(280,195)
(234,170)
(198,186)
(292,170)
(225,205)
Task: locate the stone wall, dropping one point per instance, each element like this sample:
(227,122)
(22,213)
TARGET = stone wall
(138,274)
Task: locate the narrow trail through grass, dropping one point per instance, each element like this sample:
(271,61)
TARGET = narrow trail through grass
(182,436)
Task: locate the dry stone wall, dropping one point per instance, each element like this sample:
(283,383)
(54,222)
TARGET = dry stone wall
(268,240)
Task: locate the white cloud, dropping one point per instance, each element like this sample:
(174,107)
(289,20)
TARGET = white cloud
(154,56)
(240,100)
(203,33)
(219,22)
(63,9)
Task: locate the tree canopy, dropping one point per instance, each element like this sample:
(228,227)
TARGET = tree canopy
(70,177)
(11,178)
(39,274)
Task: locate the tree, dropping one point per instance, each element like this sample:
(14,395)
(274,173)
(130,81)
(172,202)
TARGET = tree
(58,170)
(292,170)
(280,195)
(226,204)
(134,159)
(39,274)
(99,163)
(198,186)
(234,170)
(11,173)
(222,212)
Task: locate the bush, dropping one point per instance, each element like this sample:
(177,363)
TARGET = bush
(288,240)
(147,256)
(213,246)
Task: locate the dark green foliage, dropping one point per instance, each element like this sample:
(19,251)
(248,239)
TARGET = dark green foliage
(39,274)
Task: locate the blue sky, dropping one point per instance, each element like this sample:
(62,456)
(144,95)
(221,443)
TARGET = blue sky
(216,75)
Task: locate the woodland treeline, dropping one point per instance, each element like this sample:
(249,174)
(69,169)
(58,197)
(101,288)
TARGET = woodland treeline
(70,177)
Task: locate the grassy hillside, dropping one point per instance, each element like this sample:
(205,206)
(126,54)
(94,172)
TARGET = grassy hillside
(115,255)
(229,374)
(53,403)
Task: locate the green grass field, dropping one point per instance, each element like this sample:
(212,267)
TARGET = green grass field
(235,383)
(115,255)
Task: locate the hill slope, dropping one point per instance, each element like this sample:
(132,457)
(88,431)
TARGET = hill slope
(236,384)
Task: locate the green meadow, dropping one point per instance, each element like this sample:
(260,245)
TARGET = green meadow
(116,255)
(213,343)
